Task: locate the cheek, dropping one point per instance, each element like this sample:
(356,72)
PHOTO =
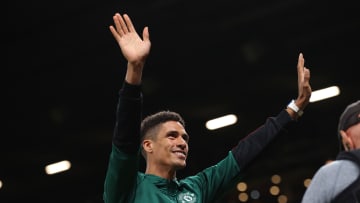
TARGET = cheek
(167,145)
(355,130)
(354,133)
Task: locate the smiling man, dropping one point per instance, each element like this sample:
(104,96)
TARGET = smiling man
(164,144)
(163,141)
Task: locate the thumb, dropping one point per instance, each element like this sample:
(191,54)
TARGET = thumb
(145,34)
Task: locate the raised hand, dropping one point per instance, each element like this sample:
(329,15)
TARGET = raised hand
(304,88)
(134,48)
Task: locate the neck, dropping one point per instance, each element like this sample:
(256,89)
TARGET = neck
(161,171)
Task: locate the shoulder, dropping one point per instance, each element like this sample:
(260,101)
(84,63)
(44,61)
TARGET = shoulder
(331,167)
(330,179)
(342,165)
(339,172)
(337,166)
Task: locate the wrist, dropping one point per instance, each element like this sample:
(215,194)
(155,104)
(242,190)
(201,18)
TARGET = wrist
(292,105)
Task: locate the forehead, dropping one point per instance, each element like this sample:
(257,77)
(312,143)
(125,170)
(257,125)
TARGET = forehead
(173,126)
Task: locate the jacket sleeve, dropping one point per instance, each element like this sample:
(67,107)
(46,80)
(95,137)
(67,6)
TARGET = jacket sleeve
(123,163)
(128,118)
(250,146)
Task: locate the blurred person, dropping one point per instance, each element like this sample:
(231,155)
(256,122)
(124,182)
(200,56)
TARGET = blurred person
(163,141)
(339,180)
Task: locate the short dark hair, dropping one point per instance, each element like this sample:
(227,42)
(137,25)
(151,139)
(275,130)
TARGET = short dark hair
(154,120)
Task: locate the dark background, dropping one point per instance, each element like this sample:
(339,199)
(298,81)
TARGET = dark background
(208,59)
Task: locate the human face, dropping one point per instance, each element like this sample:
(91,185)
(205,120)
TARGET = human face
(170,149)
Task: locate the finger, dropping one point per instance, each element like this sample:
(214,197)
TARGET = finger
(306,73)
(300,67)
(307,78)
(306,85)
(114,33)
(117,21)
(146,35)
(124,26)
(301,62)
(129,25)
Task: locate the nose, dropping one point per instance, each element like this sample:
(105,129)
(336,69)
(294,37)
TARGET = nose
(182,143)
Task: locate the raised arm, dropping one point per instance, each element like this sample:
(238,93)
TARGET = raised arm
(123,162)
(134,48)
(250,146)
(304,88)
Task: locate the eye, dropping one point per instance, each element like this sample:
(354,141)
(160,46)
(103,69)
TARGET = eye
(185,137)
(172,135)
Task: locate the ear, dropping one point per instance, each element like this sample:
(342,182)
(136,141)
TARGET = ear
(346,141)
(147,145)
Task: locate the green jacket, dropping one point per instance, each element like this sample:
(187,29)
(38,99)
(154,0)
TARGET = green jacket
(124,183)
(202,187)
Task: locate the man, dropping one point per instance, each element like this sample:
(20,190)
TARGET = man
(339,180)
(163,141)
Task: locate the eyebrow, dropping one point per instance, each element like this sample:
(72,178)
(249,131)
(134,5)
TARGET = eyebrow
(172,132)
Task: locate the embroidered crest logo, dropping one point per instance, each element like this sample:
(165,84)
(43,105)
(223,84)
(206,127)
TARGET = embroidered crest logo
(187,197)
